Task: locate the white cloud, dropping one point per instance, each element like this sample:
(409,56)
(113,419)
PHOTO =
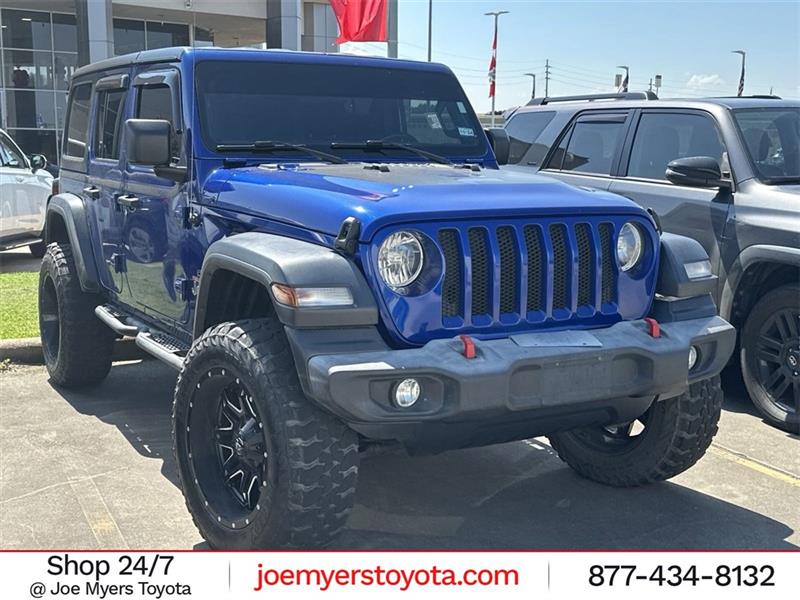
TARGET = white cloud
(700,81)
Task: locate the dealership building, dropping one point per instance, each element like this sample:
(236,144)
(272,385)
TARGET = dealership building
(42,42)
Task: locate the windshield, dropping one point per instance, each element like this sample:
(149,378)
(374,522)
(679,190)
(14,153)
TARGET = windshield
(772,137)
(242,102)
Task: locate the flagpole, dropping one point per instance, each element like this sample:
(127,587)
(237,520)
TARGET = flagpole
(740,91)
(493,64)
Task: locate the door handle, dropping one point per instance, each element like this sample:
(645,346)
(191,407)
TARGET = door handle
(92,191)
(128,201)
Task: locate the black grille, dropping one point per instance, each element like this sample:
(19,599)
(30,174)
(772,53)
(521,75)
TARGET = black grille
(609,264)
(451,294)
(500,252)
(583,236)
(558,237)
(536,270)
(481,290)
(508,269)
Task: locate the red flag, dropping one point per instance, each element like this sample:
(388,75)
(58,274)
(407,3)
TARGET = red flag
(493,66)
(361,20)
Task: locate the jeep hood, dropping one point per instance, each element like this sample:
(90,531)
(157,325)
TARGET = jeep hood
(321,196)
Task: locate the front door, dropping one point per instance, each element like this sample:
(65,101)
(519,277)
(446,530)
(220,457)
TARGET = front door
(662,136)
(158,278)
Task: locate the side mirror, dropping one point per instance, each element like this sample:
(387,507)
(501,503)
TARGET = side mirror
(695,171)
(38,161)
(498,139)
(148,141)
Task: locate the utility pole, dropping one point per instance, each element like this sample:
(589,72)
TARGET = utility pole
(533,89)
(493,64)
(547,78)
(430,27)
(651,84)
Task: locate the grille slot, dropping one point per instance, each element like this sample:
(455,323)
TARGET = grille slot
(533,246)
(561,271)
(608,261)
(509,271)
(585,261)
(481,290)
(452,290)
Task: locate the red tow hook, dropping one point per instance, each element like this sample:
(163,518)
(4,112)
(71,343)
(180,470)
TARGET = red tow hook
(653,328)
(469,346)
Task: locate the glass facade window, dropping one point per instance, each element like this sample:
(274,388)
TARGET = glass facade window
(164,35)
(27,29)
(38,55)
(203,37)
(128,36)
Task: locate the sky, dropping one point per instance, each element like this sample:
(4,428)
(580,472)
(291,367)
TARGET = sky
(688,43)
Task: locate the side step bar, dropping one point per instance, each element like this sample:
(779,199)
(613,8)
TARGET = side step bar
(165,348)
(114,320)
(162,349)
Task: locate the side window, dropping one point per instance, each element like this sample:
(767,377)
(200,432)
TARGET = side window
(110,111)
(76,132)
(662,137)
(523,130)
(155,102)
(592,146)
(10,156)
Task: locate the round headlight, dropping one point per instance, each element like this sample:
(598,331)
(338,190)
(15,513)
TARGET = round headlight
(400,259)
(629,246)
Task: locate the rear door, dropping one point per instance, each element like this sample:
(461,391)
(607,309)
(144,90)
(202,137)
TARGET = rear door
(158,281)
(105,180)
(587,154)
(663,135)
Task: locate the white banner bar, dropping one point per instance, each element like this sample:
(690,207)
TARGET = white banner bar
(361,575)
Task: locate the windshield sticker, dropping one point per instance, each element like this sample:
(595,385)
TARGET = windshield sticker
(433,121)
(466,132)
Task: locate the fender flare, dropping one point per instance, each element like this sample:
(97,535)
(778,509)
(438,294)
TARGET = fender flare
(267,258)
(71,210)
(748,257)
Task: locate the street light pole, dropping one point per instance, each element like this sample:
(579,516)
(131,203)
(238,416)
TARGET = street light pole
(740,90)
(624,86)
(533,88)
(430,27)
(493,70)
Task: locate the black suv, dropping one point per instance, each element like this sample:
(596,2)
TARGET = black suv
(725,171)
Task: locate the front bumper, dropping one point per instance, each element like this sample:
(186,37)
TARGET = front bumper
(521,386)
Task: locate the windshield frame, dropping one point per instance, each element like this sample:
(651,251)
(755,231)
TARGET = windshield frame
(481,152)
(765,179)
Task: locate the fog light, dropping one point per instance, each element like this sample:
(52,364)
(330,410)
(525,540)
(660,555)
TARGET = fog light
(693,354)
(406,393)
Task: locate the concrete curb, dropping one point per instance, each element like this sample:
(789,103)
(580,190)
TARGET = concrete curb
(28,351)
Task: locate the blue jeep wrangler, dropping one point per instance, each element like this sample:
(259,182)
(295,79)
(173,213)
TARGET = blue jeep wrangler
(326,250)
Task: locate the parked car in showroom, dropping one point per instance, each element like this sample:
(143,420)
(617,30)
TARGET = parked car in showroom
(25,186)
(724,171)
(325,249)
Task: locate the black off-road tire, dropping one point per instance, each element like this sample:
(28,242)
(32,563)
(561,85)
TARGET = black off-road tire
(784,411)
(77,347)
(312,459)
(677,433)
(38,249)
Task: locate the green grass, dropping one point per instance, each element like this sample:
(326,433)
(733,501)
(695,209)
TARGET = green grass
(18,305)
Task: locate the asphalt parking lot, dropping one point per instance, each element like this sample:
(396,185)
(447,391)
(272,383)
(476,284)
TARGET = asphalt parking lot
(94,469)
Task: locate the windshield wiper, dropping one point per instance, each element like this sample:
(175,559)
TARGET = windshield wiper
(267,146)
(777,180)
(378,146)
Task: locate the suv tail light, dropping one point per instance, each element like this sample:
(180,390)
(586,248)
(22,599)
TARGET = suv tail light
(56,188)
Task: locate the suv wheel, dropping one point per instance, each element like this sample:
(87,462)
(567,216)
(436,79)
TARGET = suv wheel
(260,466)
(76,345)
(770,356)
(666,440)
